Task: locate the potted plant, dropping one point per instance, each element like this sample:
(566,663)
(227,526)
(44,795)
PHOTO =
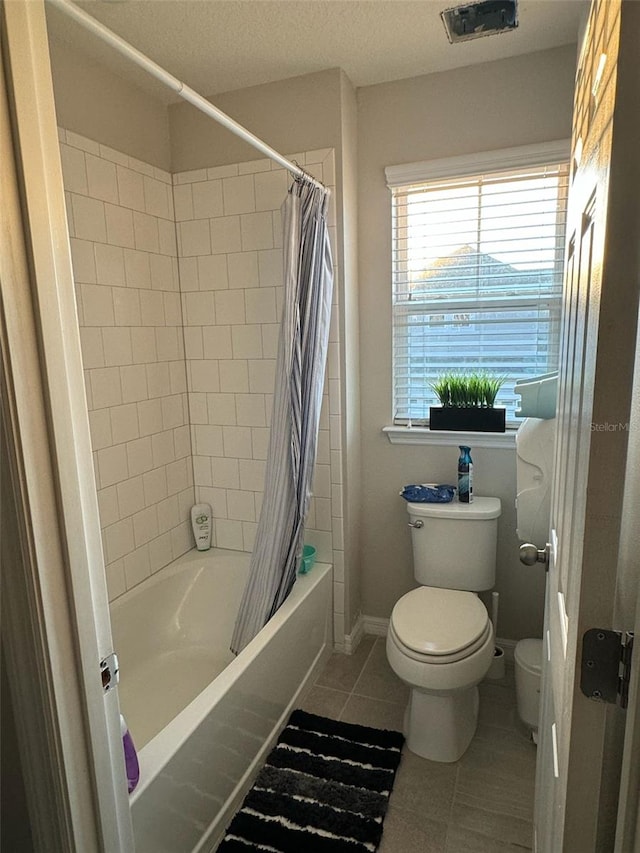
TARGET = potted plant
(467,403)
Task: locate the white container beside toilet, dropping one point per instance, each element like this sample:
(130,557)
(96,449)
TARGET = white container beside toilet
(440,640)
(528,663)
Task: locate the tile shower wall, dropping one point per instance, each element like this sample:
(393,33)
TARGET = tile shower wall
(230,260)
(122,229)
(179,341)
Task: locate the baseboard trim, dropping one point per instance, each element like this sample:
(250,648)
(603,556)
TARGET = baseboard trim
(352,640)
(375,625)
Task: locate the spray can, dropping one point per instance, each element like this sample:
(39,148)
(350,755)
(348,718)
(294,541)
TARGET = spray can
(465,475)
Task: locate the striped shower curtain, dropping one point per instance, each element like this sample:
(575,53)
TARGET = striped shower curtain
(300,365)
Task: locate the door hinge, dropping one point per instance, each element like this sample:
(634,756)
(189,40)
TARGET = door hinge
(606,665)
(109,671)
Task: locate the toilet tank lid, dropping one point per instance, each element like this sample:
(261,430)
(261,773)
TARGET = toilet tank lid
(480,508)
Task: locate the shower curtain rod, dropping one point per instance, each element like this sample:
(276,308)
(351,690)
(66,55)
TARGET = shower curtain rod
(180,88)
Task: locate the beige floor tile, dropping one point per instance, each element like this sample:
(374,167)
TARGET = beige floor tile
(373,712)
(500,827)
(461,840)
(342,671)
(410,832)
(424,786)
(484,790)
(497,705)
(377,679)
(325,702)
(501,752)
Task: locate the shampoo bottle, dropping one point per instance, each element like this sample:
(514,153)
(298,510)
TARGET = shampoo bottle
(201,524)
(465,475)
(130,756)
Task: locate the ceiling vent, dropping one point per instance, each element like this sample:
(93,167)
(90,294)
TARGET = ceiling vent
(474,20)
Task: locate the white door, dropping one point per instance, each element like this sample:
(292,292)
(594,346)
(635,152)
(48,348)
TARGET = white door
(56,627)
(580,752)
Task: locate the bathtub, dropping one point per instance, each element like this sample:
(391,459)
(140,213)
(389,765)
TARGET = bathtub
(201,718)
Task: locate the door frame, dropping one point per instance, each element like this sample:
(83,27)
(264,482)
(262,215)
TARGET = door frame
(55,606)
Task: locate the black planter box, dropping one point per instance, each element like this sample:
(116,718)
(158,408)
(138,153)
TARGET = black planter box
(469,419)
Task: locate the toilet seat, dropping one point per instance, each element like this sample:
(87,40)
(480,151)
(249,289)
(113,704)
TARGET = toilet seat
(439,626)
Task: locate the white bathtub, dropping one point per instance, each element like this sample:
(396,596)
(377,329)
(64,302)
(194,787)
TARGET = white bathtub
(201,718)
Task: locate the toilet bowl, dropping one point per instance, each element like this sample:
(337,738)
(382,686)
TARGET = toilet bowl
(528,664)
(440,643)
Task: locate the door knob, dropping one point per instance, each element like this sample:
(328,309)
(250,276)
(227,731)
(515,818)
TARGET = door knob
(530,555)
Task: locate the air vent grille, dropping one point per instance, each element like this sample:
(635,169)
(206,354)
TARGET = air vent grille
(474,20)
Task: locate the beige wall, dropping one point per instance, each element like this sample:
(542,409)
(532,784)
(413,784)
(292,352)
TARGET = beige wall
(512,102)
(298,114)
(94,102)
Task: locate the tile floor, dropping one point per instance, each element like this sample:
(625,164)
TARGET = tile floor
(481,804)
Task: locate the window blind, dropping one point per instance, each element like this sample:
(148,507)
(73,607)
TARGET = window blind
(477,281)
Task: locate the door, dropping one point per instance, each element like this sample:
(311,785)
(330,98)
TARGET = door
(55,619)
(580,752)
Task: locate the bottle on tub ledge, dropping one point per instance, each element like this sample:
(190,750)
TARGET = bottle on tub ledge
(130,756)
(201,524)
(465,475)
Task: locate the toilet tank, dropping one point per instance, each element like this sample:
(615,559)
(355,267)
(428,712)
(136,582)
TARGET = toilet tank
(535,445)
(455,546)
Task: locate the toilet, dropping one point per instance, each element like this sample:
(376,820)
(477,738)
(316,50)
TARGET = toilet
(440,639)
(528,663)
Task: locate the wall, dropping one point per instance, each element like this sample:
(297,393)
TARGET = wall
(123,245)
(512,102)
(93,101)
(297,114)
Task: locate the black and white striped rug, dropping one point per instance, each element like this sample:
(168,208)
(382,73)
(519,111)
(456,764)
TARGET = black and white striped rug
(324,789)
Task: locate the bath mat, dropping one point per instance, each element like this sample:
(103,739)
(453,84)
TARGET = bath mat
(324,789)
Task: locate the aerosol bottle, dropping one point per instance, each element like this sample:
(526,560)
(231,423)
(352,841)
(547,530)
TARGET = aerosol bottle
(465,475)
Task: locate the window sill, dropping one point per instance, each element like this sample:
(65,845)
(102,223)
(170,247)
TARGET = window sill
(423,435)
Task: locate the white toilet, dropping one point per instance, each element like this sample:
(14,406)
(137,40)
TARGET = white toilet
(440,640)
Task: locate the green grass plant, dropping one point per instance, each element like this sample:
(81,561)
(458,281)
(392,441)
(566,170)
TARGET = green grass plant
(477,389)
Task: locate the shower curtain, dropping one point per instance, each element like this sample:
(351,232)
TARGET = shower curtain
(300,367)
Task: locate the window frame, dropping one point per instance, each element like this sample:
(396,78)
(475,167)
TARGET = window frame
(451,168)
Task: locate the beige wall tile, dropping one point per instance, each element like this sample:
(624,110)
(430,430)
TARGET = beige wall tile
(130,188)
(217,342)
(225,235)
(207,199)
(257,231)
(183,202)
(130,496)
(83,260)
(194,237)
(243,269)
(119,226)
(74,169)
(101,179)
(247,341)
(239,195)
(124,423)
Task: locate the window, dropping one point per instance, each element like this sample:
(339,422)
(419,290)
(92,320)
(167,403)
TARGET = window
(477,270)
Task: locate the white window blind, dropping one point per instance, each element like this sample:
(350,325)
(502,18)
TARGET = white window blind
(477,280)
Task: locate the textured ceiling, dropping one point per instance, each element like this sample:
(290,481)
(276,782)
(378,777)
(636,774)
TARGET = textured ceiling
(220,45)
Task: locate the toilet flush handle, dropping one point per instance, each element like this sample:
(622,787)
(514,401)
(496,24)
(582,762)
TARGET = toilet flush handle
(417,524)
